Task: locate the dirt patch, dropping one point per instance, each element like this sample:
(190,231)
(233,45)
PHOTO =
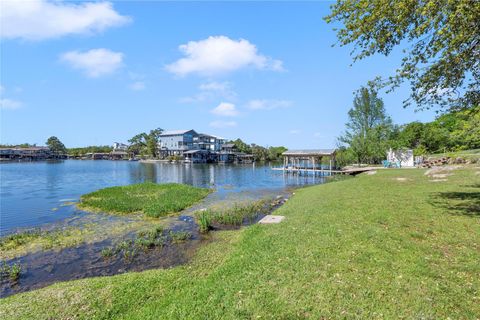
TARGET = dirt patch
(402,179)
(438,180)
(371,172)
(440,176)
(441,170)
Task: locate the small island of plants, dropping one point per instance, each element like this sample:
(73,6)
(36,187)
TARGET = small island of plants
(151,199)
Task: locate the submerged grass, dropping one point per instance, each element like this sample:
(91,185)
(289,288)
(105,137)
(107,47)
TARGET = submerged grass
(372,247)
(145,240)
(34,240)
(151,199)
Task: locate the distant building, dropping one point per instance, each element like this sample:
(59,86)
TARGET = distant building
(176,142)
(29,153)
(118,146)
(200,147)
(208,142)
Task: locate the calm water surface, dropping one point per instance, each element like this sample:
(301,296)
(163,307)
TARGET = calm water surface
(37,193)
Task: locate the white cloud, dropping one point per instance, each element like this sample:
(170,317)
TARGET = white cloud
(9,104)
(94,63)
(294,131)
(266,104)
(42,19)
(218,55)
(225,109)
(212,90)
(2,89)
(137,86)
(223,124)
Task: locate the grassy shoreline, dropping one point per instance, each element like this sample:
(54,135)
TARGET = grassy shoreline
(396,244)
(151,199)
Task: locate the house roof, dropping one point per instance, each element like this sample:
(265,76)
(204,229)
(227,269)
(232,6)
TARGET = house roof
(310,152)
(175,132)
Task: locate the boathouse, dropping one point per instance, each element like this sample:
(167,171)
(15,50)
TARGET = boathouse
(314,160)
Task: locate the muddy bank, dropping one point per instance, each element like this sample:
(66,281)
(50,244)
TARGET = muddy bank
(42,268)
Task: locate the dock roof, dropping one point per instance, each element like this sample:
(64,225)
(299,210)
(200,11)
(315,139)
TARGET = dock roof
(310,152)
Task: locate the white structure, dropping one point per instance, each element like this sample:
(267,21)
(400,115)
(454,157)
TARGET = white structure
(405,157)
(118,146)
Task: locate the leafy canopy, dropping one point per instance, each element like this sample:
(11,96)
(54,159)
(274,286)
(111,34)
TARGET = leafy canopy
(56,146)
(441,41)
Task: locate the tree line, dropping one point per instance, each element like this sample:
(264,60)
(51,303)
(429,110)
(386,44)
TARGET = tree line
(370,132)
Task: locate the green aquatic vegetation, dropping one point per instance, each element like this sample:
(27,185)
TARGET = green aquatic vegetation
(234,216)
(129,254)
(34,240)
(17,239)
(108,252)
(44,239)
(204,221)
(151,199)
(11,272)
(179,236)
(124,245)
(145,243)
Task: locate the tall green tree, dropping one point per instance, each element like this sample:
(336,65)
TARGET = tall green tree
(242,146)
(138,143)
(368,128)
(145,143)
(440,40)
(56,146)
(152,140)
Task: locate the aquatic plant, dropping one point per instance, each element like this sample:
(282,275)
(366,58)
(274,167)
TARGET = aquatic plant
(151,199)
(20,238)
(179,236)
(236,215)
(144,242)
(107,252)
(124,245)
(204,221)
(129,254)
(11,272)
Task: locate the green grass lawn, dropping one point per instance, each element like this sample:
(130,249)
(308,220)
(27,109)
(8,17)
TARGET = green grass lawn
(153,200)
(372,247)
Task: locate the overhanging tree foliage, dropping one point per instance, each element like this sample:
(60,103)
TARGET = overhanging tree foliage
(441,41)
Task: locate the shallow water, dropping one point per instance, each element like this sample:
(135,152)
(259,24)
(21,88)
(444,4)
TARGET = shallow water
(37,193)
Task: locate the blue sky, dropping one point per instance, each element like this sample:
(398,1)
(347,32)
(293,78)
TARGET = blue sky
(95,73)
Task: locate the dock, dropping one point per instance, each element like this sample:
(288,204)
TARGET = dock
(317,162)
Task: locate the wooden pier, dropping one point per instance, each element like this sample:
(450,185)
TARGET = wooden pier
(316,162)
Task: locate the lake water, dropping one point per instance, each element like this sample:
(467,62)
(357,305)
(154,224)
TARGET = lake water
(37,193)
